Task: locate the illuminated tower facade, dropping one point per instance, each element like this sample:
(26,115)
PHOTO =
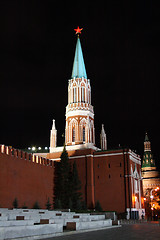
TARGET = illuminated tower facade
(79,111)
(150,175)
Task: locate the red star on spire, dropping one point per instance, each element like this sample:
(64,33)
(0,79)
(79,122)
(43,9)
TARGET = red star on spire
(78,30)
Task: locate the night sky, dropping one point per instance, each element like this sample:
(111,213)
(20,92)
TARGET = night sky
(121,48)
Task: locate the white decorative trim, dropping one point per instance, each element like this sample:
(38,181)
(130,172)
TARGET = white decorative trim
(82,156)
(83,112)
(109,154)
(76,147)
(138,160)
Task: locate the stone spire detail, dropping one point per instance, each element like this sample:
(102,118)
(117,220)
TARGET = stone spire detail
(53,137)
(103,139)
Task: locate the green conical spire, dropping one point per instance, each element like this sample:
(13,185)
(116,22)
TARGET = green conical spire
(79,70)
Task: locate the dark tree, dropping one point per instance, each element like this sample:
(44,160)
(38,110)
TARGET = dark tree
(48,204)
(57,204)
(36,205)
(62,182)
(67,184)
(98,207)
(76,187)
(15,203)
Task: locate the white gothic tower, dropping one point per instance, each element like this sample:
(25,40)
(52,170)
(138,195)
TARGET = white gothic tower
(79,111)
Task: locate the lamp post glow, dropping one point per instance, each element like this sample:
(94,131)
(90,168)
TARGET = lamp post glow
(157,188)
(152,197)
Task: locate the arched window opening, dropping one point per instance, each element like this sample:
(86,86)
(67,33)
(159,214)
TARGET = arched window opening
(83,94)
(83,134)
(73,135)
(74,94)
(89,96)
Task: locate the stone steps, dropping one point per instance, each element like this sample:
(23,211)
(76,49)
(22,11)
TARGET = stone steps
(35,224)
(88,225)
(16,223)
(15,232)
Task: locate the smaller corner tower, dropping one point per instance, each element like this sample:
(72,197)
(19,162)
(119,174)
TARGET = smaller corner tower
(148,160)
(103,139)
(150,175)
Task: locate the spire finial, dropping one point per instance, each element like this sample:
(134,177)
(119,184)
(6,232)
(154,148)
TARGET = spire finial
(78,31)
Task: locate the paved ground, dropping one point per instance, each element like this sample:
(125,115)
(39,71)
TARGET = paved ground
(126,232)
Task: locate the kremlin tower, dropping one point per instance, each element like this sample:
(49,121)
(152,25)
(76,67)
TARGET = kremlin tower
(79,111)
(79,129)
(112,177)
(150,175)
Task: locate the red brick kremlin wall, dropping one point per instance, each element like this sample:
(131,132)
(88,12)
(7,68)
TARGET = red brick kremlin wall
(105,177)
(102,178)
(25,177)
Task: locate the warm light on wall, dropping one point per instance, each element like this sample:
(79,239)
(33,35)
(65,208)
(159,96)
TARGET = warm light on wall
(134,198)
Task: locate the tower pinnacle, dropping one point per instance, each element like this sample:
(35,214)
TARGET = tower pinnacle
(78,30)
(53,137)
(103,139)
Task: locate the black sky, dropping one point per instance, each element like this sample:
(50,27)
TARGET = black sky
(121,48)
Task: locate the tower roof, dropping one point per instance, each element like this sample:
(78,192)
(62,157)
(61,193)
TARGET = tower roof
(78,70)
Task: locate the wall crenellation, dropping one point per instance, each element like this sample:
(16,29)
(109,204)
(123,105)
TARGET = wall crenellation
(8,150)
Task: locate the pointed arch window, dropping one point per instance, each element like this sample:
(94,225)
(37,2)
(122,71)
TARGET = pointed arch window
(73,135)
(83,134)
(83,94)
(89,96)
(74,94)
